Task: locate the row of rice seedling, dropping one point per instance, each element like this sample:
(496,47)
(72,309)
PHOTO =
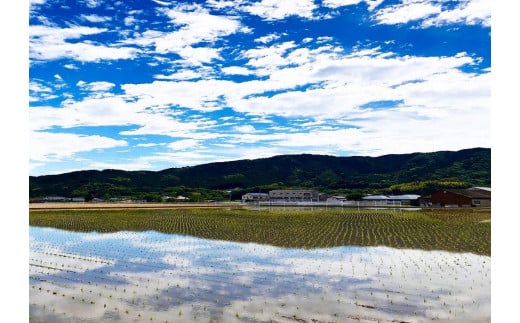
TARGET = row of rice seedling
(431,230)
(149,276)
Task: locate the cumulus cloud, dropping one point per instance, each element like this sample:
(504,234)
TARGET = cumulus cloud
(93,3)
(48,146)
(183,144)
(245,129)
(196,25)
(49,43)
(96,18)
(39,92)
(340,3)
(267,38)
(95,86)
(202,95)
(135,164)
(432,13)
(181,75)
(280,9)
(236,70)
(408,10)
(471,12)
(302,93)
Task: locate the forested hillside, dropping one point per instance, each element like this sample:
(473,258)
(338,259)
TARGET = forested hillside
(400,173)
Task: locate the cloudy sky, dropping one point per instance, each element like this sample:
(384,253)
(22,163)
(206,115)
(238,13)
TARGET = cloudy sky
(154,84)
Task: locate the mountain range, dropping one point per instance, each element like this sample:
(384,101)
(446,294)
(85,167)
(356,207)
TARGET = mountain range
(418,173)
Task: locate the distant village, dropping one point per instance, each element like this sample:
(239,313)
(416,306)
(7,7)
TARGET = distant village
(470,197)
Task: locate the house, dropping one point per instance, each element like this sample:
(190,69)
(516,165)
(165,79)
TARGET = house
(294,195)
(471,197)
(375,199)
(55,199)
(253,197)
(337,199)
(406,199)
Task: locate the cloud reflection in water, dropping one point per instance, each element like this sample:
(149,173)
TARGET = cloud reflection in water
(127,276)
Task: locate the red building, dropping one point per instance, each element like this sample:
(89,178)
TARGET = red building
(476,197)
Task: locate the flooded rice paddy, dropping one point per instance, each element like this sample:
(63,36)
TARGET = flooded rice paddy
(148,276)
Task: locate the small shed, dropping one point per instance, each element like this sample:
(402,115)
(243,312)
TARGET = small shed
(337,199)
(425,201)
(405,199)
(253,197)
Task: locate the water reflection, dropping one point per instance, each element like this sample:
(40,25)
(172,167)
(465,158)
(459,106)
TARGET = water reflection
(135,276)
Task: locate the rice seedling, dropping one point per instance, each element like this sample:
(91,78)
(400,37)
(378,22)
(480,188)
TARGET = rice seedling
(156,274)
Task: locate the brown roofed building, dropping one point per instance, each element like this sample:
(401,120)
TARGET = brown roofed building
(476,197)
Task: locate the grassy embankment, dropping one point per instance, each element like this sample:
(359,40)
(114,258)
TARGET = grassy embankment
(459,230)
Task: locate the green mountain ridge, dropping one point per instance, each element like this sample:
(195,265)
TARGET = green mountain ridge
(400,173)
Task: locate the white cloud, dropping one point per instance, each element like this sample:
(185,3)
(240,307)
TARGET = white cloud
(70,67)
(96,18)
(345,82)
(136,164)
(267,38)
(183,144)
(432,13)
(162,3)
(470,12)
(340,3)
(224,4)
(201,95)
(38,91)
(236,70)
(433,93)
(244,129)
(130,20)
(47,43)
(187,157)
(181,75)
(149,145)
(110,111)
(408,10)
(46,146)
(95,86)
(196,25)
(280,9)
(268,57)
(197,55)
(93,3)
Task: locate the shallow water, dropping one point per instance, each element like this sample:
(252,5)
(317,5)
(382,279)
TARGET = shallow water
(151,276)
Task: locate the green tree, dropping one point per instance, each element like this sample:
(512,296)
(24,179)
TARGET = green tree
(195,196)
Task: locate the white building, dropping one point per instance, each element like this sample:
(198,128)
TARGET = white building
(294,195)
(405,199)
(337,199)
(253,197)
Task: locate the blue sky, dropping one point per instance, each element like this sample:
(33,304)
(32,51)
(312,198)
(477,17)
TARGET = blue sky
(148,85)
